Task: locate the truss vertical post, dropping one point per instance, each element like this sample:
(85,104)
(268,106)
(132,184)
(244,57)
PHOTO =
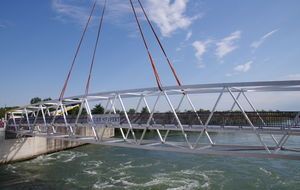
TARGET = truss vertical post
(104,128)
(157,130)
(65,109)
(127,118)
(151,116)
(261,119)
(194,109)
(248,120)
(27,119)
(286,136)
(106,106)
(14,120)
(21,119)
(33,114)
(177,119)
(44,118)
(65,119)
(180,102)
(198,117)
(78,115)
(35,119)
(113,109)
(153,109)
(297,119)
(54,117)
(208,120)
(232,107)
(137,107)
(48,111)
(88,109)
(177,109)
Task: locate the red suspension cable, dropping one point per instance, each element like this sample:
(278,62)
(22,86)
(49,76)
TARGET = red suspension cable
(146,46)
(95,49)
(160,44)
(76,53)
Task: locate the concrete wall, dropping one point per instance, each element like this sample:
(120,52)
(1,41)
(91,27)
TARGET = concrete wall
(12,150)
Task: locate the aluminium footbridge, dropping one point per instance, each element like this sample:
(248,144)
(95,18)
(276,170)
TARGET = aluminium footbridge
(273,135)
(270,134)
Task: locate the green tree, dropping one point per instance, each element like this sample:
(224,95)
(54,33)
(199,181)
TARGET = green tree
(75,111)
(144,110)
(47,99)
(203,110)
(119,112)
(4,110)
(98,109)
(131,111)
(35,100)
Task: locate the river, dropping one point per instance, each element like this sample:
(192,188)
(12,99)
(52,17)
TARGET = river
(103,167)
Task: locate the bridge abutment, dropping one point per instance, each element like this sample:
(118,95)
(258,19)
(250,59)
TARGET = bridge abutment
(24,148)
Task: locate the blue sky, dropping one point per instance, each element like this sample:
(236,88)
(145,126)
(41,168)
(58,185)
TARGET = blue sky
(208,41)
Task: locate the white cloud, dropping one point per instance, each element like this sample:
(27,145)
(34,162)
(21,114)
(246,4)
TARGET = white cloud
(183,43)
(200,48)
(243,67)
(179,48)
(169,15)
(258,43)
(78,11)
(227,44)
(5,24)
(71,10)
(188,35)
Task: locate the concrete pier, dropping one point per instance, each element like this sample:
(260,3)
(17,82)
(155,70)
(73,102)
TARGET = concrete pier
(18,149)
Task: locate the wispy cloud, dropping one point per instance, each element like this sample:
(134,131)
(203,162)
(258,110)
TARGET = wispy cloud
(5,24)
(169,15)
(229,74)
(188,35)
(184,44)
(292,76)
(243,67)
(259,42)
(78,11)
(200,48)
(73,10)
(227,44)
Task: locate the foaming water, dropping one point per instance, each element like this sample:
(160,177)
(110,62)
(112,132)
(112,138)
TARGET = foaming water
(101,167)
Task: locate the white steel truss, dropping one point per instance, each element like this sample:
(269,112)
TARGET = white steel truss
(45,119)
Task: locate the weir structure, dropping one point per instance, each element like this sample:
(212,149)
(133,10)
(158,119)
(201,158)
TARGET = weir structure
(195,131)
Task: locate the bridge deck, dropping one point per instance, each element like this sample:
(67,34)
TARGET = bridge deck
(275,130)
(181,147)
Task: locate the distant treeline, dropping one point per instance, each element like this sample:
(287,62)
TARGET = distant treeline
(3,110)
(223,118)
(186,115)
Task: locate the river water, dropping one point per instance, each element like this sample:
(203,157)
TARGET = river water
(103,167)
